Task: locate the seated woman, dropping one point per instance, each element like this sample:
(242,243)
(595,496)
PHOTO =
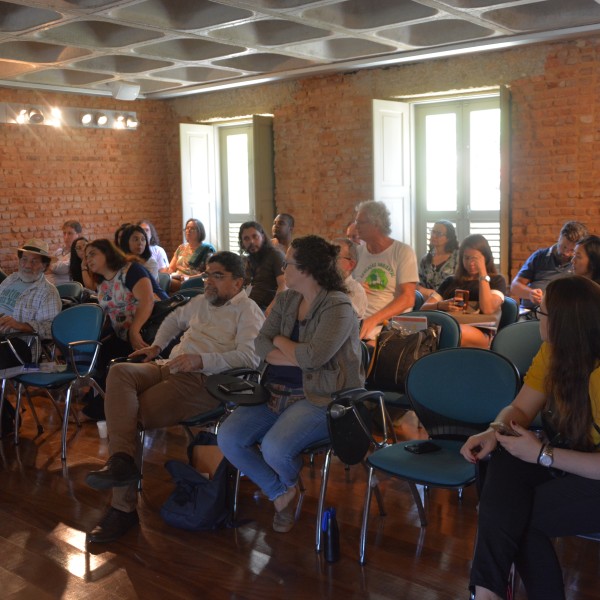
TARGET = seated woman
(535,490)
(134,241)
(77,266)
(441,260)
(311,345)
(125,293)
(158,252)
(475,273)
(190,258)
(586,259)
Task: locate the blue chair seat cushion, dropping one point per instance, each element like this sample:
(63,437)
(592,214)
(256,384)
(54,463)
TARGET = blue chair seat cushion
(443,468)
(396,399)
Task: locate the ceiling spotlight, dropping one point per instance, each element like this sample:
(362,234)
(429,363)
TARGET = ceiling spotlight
(101,119)
(120,122)
(132,122)
(35,116)
(86,118)
(21,117)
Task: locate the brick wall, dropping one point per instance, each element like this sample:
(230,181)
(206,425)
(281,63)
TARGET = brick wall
(322,129)
(101,178)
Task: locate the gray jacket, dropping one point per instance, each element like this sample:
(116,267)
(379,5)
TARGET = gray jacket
(328,352)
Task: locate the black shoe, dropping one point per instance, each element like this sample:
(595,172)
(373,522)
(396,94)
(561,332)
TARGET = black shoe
(119,471)
(112,526)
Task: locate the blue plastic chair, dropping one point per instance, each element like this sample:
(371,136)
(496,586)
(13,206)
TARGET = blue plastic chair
(519,342)
(419,300)
(71,289)
(76,332)
(509,312)
(455,393)
(194,282)
(164,281)
(449,338)
(190,292)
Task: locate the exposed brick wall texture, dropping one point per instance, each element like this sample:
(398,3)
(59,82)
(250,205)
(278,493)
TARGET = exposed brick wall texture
(101,178)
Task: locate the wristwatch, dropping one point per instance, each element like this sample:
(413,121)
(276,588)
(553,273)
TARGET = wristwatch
(484,278)
(546,457)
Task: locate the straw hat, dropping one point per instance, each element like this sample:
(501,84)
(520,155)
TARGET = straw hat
(36,246)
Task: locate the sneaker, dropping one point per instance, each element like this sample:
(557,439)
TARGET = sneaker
(120,470)
(114,524)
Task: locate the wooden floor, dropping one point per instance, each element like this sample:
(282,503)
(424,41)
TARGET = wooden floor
(45,510)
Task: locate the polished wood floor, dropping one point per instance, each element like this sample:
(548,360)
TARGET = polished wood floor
(46,508)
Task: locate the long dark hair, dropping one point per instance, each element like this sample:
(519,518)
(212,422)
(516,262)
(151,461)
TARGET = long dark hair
(474,241)
(256,225)
(573,305)
(317,257)
(115,257)
(124,242)
(154,239)
(451,239)
(75,262)
(591,245)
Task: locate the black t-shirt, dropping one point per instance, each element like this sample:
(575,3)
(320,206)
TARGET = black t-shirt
(262,270)
(451,284)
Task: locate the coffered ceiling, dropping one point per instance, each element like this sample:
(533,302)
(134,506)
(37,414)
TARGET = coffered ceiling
(173,47)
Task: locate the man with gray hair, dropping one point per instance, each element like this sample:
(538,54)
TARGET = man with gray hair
(386,268)
(346,262)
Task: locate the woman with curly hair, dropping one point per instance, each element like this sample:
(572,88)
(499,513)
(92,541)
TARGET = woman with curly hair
(311,346)
(538,489)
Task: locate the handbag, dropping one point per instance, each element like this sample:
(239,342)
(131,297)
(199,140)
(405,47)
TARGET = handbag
(396,352)
(161,309)
(199,501)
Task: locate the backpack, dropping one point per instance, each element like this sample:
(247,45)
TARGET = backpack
(160,310)
(198,503)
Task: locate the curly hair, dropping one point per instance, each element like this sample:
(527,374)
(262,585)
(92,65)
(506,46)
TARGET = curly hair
(124,241)
(591,245)
(317,257)
(154,239)
(256,225)
(377,214)
(474,241)
(573,306)
(573,231)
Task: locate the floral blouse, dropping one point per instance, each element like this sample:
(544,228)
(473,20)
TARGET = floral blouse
(118,302)
(431,276)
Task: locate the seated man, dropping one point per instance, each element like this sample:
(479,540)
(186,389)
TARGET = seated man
(346,263)
(219,331)
(28,301)
(547,264)
(282,230)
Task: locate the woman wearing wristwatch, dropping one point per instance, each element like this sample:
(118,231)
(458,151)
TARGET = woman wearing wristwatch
(536,489)
(477,274)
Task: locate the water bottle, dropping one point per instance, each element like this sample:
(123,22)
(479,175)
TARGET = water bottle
(331,536)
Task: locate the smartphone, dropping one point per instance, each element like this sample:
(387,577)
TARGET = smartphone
(422,447)
(504,429)
(461,298)
(235,387)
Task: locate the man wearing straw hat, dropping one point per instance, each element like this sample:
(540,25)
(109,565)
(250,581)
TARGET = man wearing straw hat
(28,301)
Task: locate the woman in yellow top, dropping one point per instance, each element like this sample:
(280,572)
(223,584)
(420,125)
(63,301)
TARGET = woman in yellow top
(534,489)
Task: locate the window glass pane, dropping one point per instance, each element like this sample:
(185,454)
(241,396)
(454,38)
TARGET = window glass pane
(238,183)
(485,159)
(440,160)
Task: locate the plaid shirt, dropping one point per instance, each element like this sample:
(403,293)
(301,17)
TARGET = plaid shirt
(37,305)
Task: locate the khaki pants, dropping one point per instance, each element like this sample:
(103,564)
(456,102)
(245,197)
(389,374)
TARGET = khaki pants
(147,394)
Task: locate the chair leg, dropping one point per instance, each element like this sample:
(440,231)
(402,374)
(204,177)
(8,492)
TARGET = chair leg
(322,493)
(417,498)
(365,519)
(375,486)
(140,453)
(18,413)
(65,426)
(236,491)
(2,394)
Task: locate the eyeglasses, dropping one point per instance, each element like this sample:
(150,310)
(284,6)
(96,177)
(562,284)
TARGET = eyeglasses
(218,276)
(191,229)
(537,311)
(286,263)
(435,233)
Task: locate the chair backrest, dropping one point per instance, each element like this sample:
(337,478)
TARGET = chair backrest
(519,342)
(190,292)
(450,334)
(71,289)
(78,323)
(459,391)
(164,281)
(419,300)
(509,312)
(194,282)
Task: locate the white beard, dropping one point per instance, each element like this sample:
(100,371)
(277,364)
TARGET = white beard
(29,277)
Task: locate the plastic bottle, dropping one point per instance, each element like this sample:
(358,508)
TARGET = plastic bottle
(331,536)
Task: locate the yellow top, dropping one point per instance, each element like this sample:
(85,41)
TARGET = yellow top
(537,373)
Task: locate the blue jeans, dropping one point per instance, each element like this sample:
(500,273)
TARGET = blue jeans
(274,467)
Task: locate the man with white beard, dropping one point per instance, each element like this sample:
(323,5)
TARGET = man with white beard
(28,301)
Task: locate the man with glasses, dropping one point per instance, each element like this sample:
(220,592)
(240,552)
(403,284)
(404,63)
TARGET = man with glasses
(346,263)
(547,264)
(219,329)
(386,267)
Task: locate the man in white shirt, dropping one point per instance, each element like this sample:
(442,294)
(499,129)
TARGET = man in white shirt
(346,263)
(219,329)
(386,267)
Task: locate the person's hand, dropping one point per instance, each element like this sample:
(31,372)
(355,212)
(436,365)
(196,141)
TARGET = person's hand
(526,446)
(367,327)
(9,324)
(186,363)
(136,340)
(451,306)
(536,295)
(480,263)
(479,446)
(147,352)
